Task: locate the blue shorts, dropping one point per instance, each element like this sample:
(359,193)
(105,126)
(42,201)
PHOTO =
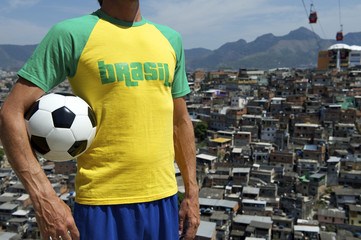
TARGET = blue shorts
(150,220)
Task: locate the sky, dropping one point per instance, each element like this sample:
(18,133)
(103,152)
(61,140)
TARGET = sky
(202,23)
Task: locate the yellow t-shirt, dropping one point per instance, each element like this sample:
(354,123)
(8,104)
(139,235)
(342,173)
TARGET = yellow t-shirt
(128,73)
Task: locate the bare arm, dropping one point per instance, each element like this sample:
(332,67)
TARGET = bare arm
(185,154)
(52,214)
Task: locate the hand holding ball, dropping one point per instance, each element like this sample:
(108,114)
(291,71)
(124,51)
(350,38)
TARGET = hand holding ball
(60,126)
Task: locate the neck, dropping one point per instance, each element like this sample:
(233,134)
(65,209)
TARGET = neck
(124,10)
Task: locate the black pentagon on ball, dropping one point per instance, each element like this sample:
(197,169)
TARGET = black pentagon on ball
(33,108)
(63,117)
(92,117)
(78,147)
(39,144)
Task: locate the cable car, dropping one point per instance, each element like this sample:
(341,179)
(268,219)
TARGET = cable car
(313,17)
(343,54)
(330,53)
(339,36)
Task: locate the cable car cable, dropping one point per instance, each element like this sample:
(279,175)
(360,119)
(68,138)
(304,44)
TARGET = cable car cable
(307,14)
(318,20)
(339,12)
(317,40)
(339,34)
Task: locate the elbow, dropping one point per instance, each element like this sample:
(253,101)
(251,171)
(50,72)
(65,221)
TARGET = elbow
(2,125)
(2,120)
(10,121)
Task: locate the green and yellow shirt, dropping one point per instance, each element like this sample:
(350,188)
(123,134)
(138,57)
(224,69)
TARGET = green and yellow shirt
(128,73)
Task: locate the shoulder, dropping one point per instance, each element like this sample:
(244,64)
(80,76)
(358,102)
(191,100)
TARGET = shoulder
(75,25)
(173,36)
(165,30)
(163,27)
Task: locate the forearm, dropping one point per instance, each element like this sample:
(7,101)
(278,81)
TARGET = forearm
(52,214)
(21,157)
(185,153)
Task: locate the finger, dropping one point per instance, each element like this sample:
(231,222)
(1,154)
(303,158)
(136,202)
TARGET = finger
(73,232)
(191,230)
(51,236)
(64,237)
(190,234)
(180,226)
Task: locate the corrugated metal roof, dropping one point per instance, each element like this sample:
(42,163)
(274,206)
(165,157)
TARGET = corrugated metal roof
(217,203)
(254,201)
(310,147)
(301,228)
(241,170)
(251,190)
(7,235)
(206,229)
(246,219)
(206,157)
(8,206)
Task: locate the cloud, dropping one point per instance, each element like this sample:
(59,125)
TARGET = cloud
(77,10)
(20,32)
(202,23)
(13,4)
(210,23)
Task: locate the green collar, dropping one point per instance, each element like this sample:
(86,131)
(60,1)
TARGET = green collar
(108,18)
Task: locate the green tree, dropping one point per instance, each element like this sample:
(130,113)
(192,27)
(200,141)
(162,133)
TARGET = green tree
(320,204)
(9,85)
(180,197)
(200,130)
(2,154)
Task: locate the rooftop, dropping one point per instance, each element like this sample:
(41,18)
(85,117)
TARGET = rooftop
(247,219)
(206,229)
(221,140)
(302,228)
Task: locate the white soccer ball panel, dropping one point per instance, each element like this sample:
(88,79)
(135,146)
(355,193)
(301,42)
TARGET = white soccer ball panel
(81,128)
(40,124)
(51,102)
(76,105)
(60,139)
(58,156)
(91,137)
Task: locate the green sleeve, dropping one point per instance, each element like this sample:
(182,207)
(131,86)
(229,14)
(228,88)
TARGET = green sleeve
(180,85)
(56,57)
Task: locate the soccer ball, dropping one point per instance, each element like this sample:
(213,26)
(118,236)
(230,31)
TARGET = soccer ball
(60,126)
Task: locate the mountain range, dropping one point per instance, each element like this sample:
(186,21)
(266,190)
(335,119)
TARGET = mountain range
(298,49)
